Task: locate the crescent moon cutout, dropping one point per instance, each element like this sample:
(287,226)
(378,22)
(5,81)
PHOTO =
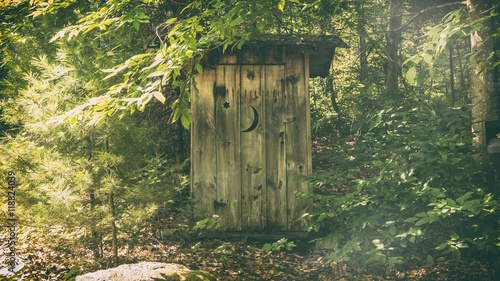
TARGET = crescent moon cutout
(255,121)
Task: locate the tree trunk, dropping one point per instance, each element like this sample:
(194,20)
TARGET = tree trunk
(333,98)
(462,91)
(452,75)
(484,102)
(363,61)
(393,40)
(94,236)
(482,94)
(113,227)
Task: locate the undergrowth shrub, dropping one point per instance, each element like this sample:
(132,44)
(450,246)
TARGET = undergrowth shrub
(415,191)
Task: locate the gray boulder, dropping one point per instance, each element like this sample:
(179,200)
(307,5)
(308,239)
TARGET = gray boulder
(143,271)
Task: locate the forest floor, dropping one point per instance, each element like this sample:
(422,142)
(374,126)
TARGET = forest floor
(240,258)
(244,260)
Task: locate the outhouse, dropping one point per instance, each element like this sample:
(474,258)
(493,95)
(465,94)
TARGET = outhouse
(251,133)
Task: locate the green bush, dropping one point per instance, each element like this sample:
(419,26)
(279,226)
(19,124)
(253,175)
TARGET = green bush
(415,191)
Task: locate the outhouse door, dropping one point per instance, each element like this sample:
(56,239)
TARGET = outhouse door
(250,139)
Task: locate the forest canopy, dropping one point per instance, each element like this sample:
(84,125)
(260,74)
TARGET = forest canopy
(95,113)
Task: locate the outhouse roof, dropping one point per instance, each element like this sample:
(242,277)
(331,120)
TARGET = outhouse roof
(320,48)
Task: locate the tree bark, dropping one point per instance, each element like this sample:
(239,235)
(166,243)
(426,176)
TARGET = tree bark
(482,93)
(363,61)
(452,75)
(93,233)
(393,40)
(333,98)
(462,91)
(113,227)
(484,101)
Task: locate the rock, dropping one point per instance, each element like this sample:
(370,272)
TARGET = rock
(143,271)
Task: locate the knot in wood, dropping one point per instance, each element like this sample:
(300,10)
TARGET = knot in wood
(250,74)
(291,79)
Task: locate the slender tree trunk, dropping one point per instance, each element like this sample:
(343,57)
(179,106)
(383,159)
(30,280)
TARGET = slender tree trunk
(113,227)
(333,98)
(462,79)
(496,58)
(452,75)
(393,40)
(93,233)
(363,61)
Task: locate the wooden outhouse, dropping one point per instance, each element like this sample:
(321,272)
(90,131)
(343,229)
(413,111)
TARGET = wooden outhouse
(251,133)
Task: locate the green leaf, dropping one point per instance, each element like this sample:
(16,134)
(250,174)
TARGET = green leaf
(442,246)
(185,120)
(136,24)
(281,5)
(412,219)
(392,230)
(173,30)
(177,114)
(411,74)
(236,21)
(72,271)
(422,221)
(434,73)
(159,96)
(171,20)
(455,254)
(422,75)
(428,58)
(199,68)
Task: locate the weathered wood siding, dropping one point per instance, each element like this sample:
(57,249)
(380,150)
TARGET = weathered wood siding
(243,170)
(297,123)
(203,140)
(276,187)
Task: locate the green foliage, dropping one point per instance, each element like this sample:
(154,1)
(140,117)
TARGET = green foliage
(72,273)
(413,192)
(198,27)
(68,170)
(211,223)
(281,244)
(430,61)
(223,250)
(198,275)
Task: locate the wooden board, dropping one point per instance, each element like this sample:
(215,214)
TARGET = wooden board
(307,98)
(253,150)
(250,55)
(275,147)
(273,55)
(296,134)
(203,153)
(227,91)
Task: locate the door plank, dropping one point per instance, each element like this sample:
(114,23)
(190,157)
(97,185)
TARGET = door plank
(276,187)
(253,151)
(203,153)
(296,134)
(227,91)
